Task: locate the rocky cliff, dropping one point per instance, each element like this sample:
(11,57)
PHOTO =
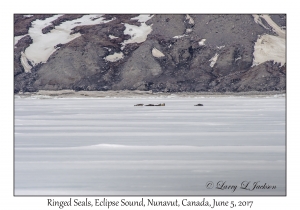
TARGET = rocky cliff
(169,53)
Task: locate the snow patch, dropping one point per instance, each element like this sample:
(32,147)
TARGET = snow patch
(25,64)
(27,15)
(201,43)
(156,53)
(220,47)
(275,27)
(107,48)
(180,36)
(279,30)
(268,47)
(188,30)
(190,19)
(258,21)
(214,60)
(43,44)
(142,18)
(138,33)
(18,38)
(114,57)
(112,37)
(238,58)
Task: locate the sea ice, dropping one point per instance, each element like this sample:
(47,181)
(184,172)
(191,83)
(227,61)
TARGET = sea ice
(107,146)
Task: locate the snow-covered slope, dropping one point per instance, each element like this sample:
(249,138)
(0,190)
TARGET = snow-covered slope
(269,47)
(138,34)
(45,44)
(188,52)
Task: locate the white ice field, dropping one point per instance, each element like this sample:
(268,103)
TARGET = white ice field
(107,146)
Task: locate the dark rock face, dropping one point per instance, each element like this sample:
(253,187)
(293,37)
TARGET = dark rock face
(184,63)
(20,47)
(139,69)
(58,21)
(80,58)
(167,25)
(265,77)
(24,81)
(280,19)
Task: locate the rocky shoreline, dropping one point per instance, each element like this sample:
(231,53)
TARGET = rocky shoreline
(141,94)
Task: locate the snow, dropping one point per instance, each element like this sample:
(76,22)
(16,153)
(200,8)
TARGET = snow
(138,33)
(112,37)
(267,48)
(25,64)
(27,15)
(104,146)
(142,18)
(238,58)
(201,43)
(213,60)
(188,30)
(220,47)
(107,48)
(275,27)
(17,38)
(156,53)
(258,21)
(190,19)
(43,44)
(180,36)
(114,57)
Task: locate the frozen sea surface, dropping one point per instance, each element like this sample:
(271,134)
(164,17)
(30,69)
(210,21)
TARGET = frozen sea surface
(110,147)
